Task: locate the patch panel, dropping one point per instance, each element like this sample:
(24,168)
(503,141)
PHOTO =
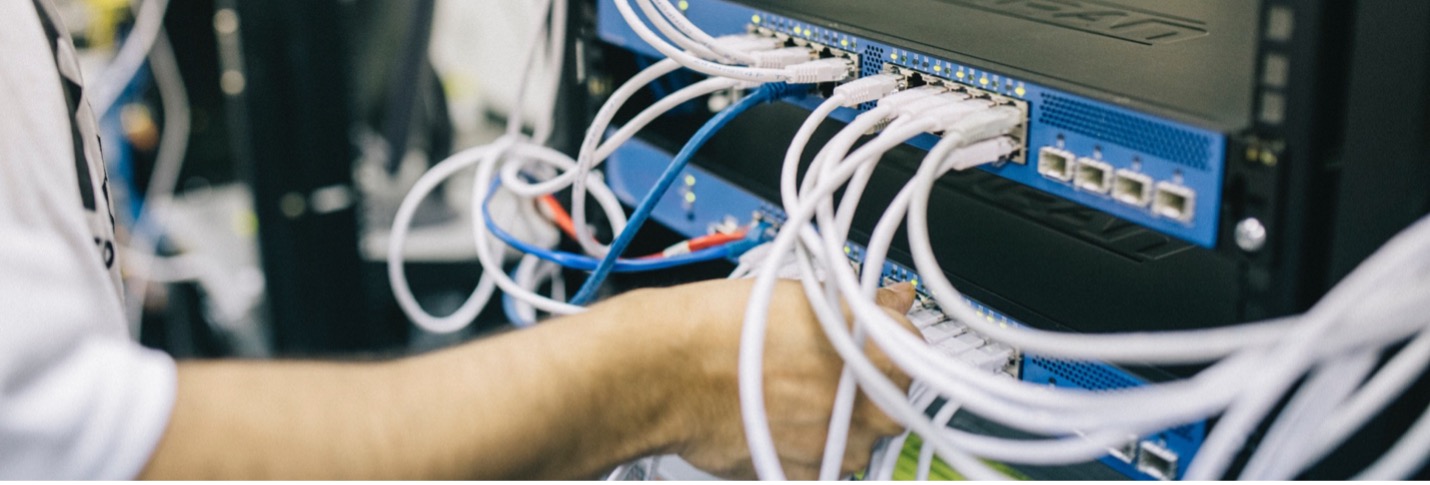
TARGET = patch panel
(1150,148)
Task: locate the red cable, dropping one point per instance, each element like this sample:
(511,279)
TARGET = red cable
(563,220)
(559,215)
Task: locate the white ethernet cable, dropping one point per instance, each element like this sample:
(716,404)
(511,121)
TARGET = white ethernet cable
(810,72)
(836,149)
(752,345)
(672,16)
(1389,382)
(708,50)
(164,178)
(1327,388)
(1124,435)
(590,154)
(925,276)
(397,277)
(148,23)
(593,151)
(548,40)
(530,273)
(849,95)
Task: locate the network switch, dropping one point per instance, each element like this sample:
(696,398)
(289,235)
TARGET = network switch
(1156,148)
(631,173)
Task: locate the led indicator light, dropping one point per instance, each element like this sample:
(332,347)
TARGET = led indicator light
(755,19)
(684,5)
(690,197)
(689,180)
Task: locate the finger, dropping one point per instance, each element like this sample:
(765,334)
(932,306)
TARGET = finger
(899,297)
(872,420)
(857,455)
(801,472)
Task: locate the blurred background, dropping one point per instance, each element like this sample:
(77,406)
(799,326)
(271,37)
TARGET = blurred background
(260,152)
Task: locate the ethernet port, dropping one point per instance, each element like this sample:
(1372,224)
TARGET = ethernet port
(1056,164)
(1093,176)
(911,79)
(1175,202)
(1157,461)
(1132,188)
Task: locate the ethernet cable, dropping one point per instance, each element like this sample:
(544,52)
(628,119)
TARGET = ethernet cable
(525,275)
(591,154)
(1390,382)
(1292,357)
(706,50)
(925,272)
(670,16)
(168,163)
(593,151)
(593,282)
(549,36)
(545,272)
(402,222)
(1278,326)
(143,37)
(941,418)
(1408,455)
(836,148)
(587,263)
(811,72)
(1327,387)
(587,159)
(752,346)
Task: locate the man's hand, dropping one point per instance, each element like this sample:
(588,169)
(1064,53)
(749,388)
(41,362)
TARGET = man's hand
(648,372)
(801,375)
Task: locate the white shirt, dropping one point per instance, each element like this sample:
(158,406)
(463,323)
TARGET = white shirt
(78,397)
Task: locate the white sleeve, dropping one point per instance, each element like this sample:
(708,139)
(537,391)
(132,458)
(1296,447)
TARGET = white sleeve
(78,398)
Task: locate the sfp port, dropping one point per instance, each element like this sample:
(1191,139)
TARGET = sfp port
(1157,461)
(1093,176)
(1056,164)
(1127,453)
(1175,202)
(1132,188)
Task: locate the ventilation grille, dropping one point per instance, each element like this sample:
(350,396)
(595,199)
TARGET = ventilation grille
(1160,140)
(1096,377)
(870,63)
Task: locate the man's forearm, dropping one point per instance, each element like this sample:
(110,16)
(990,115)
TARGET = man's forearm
(504,407)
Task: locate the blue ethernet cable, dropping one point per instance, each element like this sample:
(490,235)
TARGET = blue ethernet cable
(766,93)
(587,263)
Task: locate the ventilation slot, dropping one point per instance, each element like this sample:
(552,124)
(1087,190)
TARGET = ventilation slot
(871,63)
(1156,139)
(1096,377)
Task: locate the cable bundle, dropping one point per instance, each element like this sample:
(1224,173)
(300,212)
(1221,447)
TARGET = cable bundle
(1250,367)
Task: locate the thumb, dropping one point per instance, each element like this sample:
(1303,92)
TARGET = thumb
(899,297)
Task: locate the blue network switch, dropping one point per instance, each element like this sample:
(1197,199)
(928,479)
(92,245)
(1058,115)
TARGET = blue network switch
(1161,174)
(704,200)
